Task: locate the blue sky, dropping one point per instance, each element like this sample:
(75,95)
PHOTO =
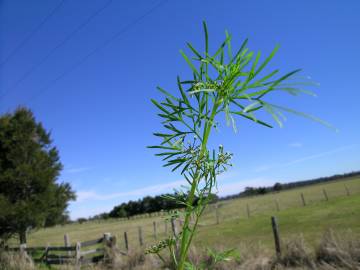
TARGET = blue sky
(95,99)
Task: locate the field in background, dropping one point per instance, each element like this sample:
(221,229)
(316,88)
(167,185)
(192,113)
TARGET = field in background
(244,220)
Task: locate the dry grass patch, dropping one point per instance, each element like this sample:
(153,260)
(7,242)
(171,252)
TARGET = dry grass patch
(334,251)
(339,250)
(15,261)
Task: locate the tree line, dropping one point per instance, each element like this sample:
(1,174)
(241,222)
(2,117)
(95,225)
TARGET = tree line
(146,205)
(252,191)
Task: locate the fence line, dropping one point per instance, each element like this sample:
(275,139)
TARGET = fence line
(76,255)
(217,216)
(71,254)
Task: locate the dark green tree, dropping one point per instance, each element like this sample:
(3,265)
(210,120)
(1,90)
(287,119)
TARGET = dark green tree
(277,186)
(30,195)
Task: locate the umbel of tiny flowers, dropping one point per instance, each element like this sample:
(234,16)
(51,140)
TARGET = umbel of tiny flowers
(223,83)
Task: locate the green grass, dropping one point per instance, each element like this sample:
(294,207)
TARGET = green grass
(340,213)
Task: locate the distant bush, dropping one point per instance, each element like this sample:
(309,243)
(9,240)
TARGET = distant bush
(81,220)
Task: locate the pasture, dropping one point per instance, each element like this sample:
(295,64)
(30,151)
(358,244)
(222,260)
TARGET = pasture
(241,221)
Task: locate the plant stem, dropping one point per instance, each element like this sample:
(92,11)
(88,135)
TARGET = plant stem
(196,222)
(190,200)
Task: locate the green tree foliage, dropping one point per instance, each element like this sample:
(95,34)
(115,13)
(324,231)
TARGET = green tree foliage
(30,196)
(147,205)
(277,186)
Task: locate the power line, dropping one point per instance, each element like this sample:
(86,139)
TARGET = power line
(101,46)
(59,45)
(32,33)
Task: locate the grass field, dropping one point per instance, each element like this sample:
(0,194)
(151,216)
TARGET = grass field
(340,212)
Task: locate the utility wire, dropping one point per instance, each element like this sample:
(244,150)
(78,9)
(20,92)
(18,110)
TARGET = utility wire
(59,45)
(98,48)
(32,33)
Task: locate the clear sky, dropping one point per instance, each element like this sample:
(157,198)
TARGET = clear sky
(89,68)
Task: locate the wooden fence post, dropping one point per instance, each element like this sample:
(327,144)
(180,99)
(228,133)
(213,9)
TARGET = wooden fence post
(217,214)
(22,249)
(248,210)
(109,241)
(173,226)
(275,229)
(277,205)
(78,255)
(126,241)
(44,257)
(141,241)
(113,241)
(67,243)
(303,199)
(347,190)
(174,229)
(325,195)
(23,252)
(155,234)
(107,238)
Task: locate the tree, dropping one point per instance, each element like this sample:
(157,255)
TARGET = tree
(30,195)
(261,190)
(118,211)
(81,220)
(277,186)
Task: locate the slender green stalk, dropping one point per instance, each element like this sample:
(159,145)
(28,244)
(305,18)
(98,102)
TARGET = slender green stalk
(185,238)
(196,224)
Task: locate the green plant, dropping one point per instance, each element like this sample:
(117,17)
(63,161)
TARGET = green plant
(222,83)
